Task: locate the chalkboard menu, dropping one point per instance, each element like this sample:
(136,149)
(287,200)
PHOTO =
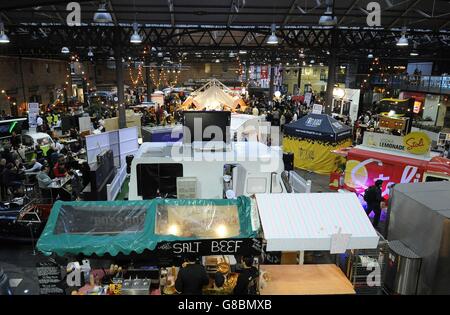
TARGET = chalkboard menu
(49,278)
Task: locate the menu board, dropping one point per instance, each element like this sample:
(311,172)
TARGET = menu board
(49,278)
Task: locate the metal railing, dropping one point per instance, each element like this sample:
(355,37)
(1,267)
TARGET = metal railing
(418,83)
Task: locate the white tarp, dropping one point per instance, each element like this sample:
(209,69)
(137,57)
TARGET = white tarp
(214,98)
(298,222)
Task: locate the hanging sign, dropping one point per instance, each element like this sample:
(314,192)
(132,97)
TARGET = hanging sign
(317,109)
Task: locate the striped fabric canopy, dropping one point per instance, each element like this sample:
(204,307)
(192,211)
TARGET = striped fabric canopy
(297,222)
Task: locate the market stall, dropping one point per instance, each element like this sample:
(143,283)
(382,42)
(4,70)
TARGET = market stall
(144,236)
(214,95)
(312,222)
(312,138)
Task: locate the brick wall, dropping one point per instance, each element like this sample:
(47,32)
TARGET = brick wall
(41,80)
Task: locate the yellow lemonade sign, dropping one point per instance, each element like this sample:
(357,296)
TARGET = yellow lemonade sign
(417,142)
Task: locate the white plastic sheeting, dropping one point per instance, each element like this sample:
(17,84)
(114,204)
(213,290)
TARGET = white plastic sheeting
(298,222)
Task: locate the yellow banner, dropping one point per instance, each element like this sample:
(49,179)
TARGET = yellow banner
(315,155)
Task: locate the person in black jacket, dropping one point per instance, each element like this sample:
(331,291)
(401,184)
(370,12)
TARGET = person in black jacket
(246,282)
(191,278)
(373,197)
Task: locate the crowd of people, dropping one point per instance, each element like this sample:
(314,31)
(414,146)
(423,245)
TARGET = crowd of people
(57,161)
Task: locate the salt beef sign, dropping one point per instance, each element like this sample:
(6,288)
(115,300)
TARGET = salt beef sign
(415,142)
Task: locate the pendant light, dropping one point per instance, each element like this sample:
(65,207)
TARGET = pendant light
(327,19)
(102,15)
(273,39)
(136,37)
(403,41)
(4,39)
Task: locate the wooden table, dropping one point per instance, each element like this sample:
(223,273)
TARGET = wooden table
(305,280)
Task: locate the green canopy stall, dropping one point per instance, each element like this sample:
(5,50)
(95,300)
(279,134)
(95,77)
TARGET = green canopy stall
(163,227)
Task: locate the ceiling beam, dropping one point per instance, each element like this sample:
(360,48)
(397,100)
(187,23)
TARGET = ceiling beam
(231,15)
(172,12)
(58,14)
(113,13)
(410,7)
(6,17)
(348,11)
(291,10)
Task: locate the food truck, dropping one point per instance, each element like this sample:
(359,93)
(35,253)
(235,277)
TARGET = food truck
(393,159)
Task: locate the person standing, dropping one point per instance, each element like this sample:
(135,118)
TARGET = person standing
(40,124)
(191,278)
(373,197)
(246,282)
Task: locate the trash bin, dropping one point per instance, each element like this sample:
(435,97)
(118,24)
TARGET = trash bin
(4,284)
(402,269)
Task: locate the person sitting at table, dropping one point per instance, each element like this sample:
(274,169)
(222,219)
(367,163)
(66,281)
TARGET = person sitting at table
(58,145)
(39,152)
(15,140)
(35,166)
(76,147)
(59,169)
(73,133)
(11,178)
(75,182)
(44,181)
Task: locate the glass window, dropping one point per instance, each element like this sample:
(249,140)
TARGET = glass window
(43,141)
(435,179)
(205,221)
(100,220)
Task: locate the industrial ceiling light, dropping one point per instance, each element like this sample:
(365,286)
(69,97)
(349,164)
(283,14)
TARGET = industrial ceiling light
(232,55)
(370,55)
(242,52)
(312,61)
(65,50)
(217,60)
(327,19)
(414,52)
(102,16)
(136,37)
(160,54)
(273,39)
(403,41)
(4,39)
(90,53)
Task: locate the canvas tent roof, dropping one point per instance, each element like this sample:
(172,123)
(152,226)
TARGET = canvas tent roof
(214,95)
(297,222)
(127,227)
(320,127)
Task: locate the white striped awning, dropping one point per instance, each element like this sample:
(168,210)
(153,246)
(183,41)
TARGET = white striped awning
(297,222)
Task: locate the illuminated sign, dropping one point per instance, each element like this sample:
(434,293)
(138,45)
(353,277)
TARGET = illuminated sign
(415,143)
